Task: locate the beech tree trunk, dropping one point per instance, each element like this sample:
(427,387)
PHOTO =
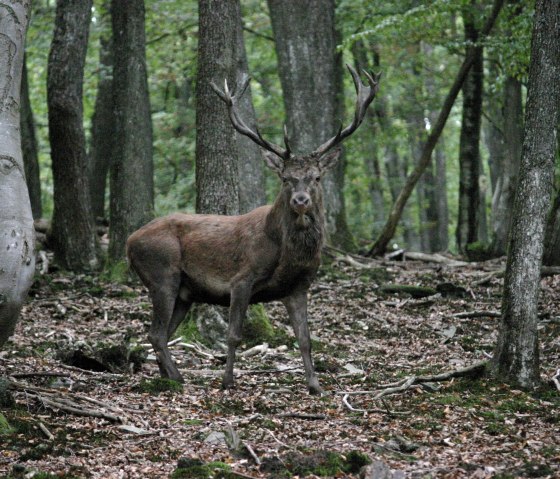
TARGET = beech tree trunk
(468,220)
(310,74)
(217,146)
(552,235)
(217,178)
(102,121)
(252,192)
(29,147)
(516,357)
(502,201)
(73,232)
(17,236)
(132,169)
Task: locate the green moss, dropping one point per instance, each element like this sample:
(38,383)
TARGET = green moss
(5,427)
(477,251)
(188,330)
(116,272)
(159,385)
(196,469)
(256,327)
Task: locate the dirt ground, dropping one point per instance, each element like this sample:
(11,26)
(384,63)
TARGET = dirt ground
(365,337)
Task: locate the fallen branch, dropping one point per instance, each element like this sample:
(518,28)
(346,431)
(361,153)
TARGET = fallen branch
(70,402)
(406,383)
(477,314)
(298,415)
(46,432)
(40,374)
(434,258)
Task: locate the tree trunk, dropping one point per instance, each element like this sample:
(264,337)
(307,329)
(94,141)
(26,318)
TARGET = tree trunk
(102,121)
(132,169)
(436,179)
(217,178)
(552,235)
(516,357)
(17,237)
(551,255)
(493,127)
(250,161)
(310,74)
(73,233)
(29,147)
(468,220)
(380,244)
(502,202)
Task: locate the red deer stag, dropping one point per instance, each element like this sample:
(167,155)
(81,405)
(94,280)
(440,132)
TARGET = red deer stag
(271,253)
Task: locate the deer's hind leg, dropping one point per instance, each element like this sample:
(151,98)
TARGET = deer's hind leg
(169,310)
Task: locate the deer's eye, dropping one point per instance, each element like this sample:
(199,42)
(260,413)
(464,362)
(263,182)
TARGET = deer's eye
(317,178)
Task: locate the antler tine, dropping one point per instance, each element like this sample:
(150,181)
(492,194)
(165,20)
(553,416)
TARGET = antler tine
(364,97)
(286,141)
(231,101)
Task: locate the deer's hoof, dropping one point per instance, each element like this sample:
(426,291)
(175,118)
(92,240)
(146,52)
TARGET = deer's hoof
(227,384)
(316,390)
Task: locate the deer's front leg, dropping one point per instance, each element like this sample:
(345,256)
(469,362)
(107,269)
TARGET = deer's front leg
(297,310)
(239,302)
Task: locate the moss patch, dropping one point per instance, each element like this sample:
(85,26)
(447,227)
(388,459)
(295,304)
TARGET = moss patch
(196,469)
(319,463)
(159,385)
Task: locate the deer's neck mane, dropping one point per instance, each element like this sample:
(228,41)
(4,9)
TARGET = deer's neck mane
(300,238)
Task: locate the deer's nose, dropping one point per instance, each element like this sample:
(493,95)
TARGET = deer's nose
(301,200)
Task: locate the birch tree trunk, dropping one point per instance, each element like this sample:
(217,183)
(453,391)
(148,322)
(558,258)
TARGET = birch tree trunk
(17,240)
(516,357)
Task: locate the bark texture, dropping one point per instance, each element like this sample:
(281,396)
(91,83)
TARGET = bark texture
(217,178)
(73,233)
(17,240)
(468,220)
(250,161)
(516,357)
(311,76)
(29,147)
(102,124)
(132,170)
(504,193)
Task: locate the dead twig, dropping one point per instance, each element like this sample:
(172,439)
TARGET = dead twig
(40,374)
(477,314)
(46,432)
(298,415)
(556,379)
(405,384)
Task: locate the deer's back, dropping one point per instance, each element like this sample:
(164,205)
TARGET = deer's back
(210,253)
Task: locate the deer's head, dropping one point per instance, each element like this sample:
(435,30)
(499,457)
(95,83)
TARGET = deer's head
(301,174)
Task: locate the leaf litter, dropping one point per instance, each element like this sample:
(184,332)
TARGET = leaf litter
(365,339)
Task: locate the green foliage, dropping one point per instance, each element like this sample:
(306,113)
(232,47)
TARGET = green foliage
(419,46)
(159,385)
(256,327)
(196,469)
(116,272)
(5,427)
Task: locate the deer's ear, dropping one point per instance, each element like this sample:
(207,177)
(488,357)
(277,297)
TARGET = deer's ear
(329,159)
(274,162)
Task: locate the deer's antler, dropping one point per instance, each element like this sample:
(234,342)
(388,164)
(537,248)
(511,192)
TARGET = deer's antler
(231,99)
(364,96)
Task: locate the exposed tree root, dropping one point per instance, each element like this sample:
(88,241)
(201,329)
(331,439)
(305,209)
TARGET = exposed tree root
(405,384)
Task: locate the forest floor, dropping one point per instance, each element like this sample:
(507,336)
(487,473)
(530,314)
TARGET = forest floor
(365,337)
